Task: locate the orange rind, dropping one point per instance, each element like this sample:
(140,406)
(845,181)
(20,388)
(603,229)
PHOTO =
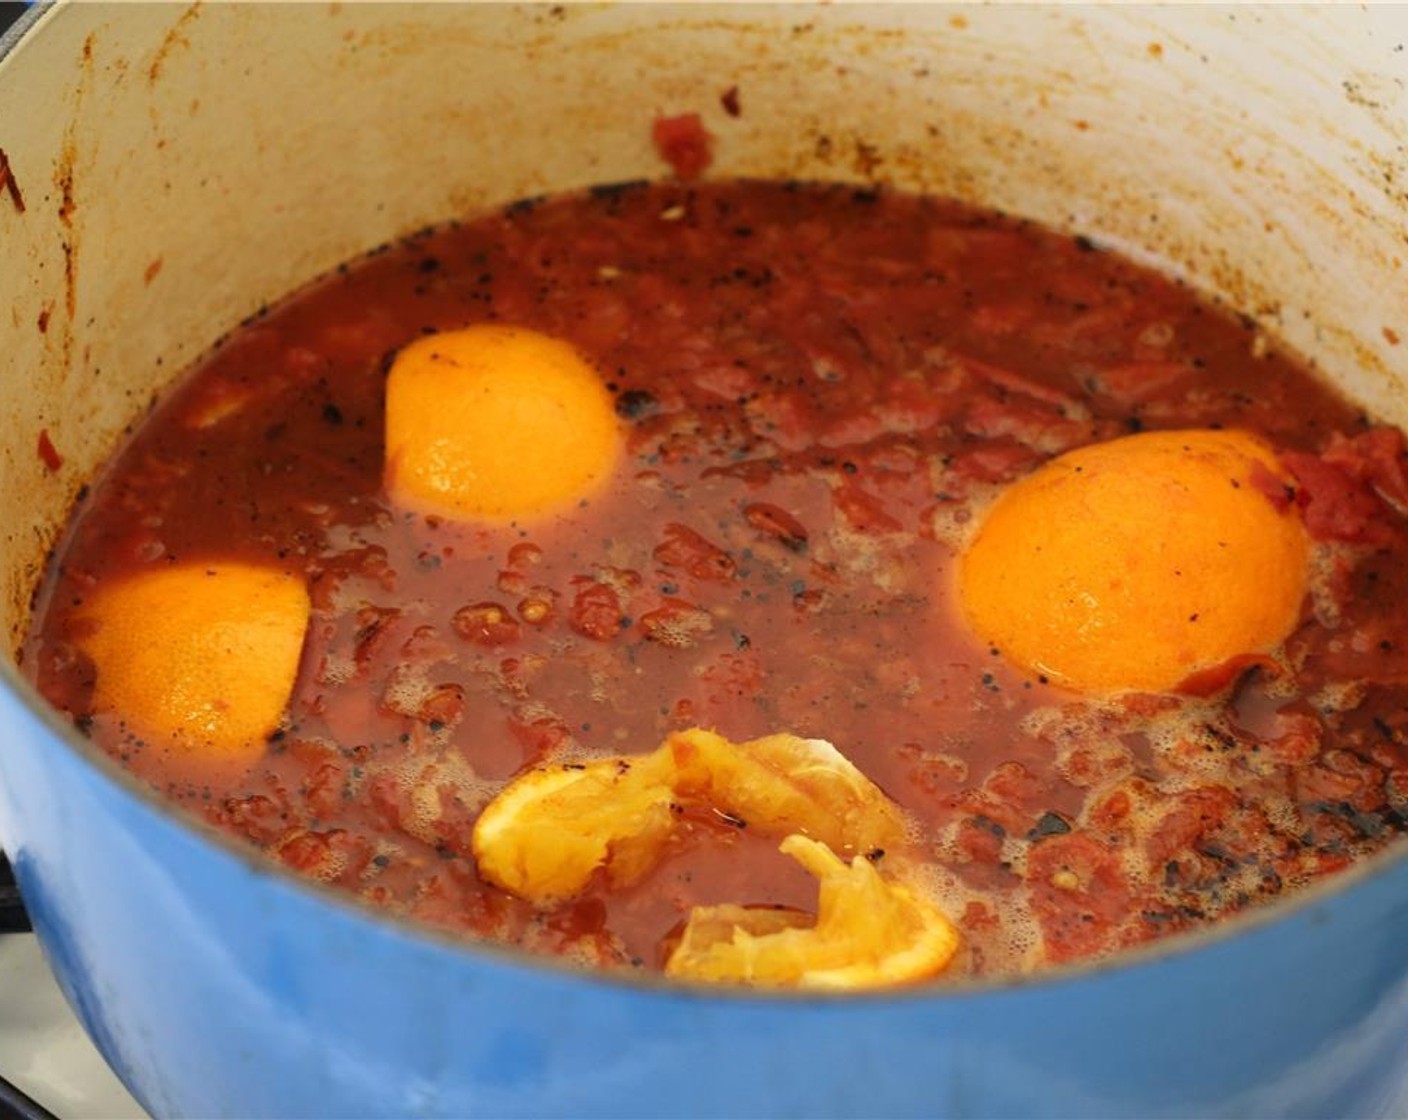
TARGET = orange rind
(496,423)
(783,783)
(1138,563)
(869,932)
(198,656)
(549,832)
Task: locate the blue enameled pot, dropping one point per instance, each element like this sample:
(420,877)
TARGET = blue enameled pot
(170,168)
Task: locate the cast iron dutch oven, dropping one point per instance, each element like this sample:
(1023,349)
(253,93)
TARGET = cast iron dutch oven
(166,169)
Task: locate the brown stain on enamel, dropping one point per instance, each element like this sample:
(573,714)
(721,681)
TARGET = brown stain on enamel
(9,184)
(58,332)
(64,184)
(175,37)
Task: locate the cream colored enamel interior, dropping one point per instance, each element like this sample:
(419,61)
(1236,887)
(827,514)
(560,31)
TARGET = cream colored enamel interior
(181,166)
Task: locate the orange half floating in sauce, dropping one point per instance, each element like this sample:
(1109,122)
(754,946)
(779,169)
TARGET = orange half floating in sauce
(199,656)
(496,423)
(1138,563)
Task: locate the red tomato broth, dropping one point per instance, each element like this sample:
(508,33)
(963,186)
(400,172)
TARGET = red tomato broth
(821,387)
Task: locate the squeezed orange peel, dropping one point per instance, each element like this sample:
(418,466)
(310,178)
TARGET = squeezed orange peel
(869,931)
(549,832)
(783,783)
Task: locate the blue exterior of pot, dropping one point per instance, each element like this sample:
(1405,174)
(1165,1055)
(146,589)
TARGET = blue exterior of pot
(219,987)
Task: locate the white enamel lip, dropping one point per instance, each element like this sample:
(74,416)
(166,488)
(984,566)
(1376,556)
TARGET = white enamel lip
(1255,151)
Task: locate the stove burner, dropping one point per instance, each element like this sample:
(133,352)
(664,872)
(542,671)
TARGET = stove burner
(15,1105)
(13,919)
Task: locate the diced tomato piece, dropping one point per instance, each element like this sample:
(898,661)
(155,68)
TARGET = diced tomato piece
(596,611)
(1336,505)
(684,144)
(683,548)
(48,453)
